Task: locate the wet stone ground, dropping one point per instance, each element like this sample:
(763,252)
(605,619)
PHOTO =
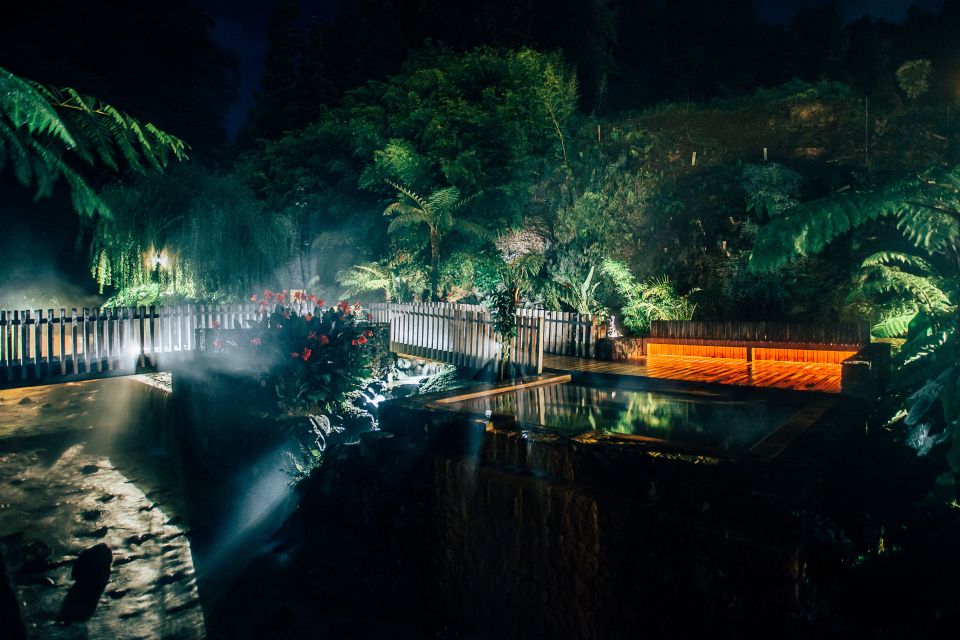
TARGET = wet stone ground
(72,476)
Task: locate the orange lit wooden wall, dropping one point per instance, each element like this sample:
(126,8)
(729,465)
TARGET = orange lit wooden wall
(696,350)
(803,355)
(819,356)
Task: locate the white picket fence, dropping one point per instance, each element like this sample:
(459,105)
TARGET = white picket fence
(83,343)
(462,335)
(564,333)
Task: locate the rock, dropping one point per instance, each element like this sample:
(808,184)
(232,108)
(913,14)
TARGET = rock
(91,571)
(26,401)
(91,514)
(89,468)
(92,566)
(96,533)
(35,554)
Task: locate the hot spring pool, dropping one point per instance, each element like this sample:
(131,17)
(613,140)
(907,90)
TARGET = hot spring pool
(702,421)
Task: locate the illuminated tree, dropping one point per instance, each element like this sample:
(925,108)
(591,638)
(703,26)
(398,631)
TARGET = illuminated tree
(438,212)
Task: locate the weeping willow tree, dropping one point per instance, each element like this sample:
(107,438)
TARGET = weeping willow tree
(46,131)
(187,235)
(914,283)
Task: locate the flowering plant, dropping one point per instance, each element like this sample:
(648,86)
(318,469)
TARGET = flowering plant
(318,357)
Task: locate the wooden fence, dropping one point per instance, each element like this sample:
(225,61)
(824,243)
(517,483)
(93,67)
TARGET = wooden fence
(829,343)
(83,343)
(832,333)
(460,334)
(564,333)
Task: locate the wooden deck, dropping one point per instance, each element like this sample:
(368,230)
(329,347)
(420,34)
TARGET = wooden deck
(798,376)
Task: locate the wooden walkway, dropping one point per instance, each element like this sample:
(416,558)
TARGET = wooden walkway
(798,376)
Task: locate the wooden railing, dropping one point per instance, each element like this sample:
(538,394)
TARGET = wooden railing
(37,346)
(460,334)
(564,333)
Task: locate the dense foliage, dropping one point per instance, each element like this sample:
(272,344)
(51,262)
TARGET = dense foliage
(911,279)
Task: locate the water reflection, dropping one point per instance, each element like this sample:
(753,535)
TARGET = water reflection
(713,422)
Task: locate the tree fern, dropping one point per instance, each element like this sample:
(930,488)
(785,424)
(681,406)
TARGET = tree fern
(438,213)
(42,127)
(920,293)
(369,276)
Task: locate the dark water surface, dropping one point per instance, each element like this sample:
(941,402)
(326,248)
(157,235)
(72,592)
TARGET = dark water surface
(705,420)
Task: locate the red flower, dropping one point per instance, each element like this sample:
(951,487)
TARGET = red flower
(217,344)
(319,302)
(267,295)
(308,317)
(279,298)
(370,333)
(253,298)
(362,340)
(306,354)
(215,324)
(324,340)
(353,342)
(312,298)
(255,342)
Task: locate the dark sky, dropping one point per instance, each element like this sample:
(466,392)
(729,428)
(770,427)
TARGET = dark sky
(241,27)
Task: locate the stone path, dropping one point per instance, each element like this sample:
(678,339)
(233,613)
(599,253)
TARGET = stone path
(69,479)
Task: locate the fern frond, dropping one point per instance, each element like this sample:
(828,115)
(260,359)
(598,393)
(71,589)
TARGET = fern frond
(883,280)
(406,219)
(900,259)
(412,195)
(26,105)
(894,325)
(473,229)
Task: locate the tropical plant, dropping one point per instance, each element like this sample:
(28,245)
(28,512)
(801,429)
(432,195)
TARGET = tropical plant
(652,299)
(918,289)
(438,212)
(365,277)
(581,296)
(317,358)
(43,127)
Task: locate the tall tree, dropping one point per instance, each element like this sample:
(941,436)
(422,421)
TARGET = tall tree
(277,107)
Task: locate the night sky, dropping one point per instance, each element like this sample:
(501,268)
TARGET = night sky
(241,27)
